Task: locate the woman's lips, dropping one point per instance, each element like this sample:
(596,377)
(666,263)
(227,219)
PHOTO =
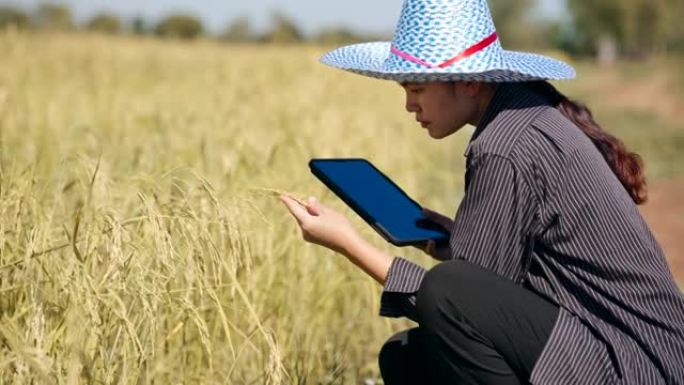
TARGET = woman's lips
(423,123)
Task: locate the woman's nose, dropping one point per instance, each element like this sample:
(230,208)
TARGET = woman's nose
(411,105)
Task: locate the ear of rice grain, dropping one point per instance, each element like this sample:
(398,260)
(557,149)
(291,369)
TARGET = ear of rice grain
(277,192)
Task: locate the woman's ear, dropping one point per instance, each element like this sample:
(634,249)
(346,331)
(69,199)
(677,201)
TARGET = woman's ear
(472,88)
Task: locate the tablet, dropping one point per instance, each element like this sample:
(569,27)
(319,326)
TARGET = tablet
(379,201)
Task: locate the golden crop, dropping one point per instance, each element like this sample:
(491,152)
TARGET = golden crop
(137,246)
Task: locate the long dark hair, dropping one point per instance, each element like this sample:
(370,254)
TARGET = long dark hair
(627,166)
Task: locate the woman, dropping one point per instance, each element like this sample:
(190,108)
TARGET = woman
(551,276)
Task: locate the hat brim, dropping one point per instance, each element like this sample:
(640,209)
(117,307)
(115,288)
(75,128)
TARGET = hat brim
(369,59)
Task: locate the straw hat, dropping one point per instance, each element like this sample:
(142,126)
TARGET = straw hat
(445,40)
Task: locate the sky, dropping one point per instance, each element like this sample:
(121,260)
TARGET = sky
(368,16)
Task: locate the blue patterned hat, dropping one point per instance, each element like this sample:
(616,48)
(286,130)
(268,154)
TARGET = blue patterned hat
(445,40)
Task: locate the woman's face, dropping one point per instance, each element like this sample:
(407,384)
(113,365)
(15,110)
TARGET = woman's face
(442,107)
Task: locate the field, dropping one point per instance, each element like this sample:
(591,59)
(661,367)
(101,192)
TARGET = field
(136,246)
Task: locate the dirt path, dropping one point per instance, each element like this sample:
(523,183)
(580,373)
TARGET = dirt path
(664,213)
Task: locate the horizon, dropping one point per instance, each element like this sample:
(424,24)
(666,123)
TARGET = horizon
(378,17)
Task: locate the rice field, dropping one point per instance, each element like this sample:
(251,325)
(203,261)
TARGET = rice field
(137,242)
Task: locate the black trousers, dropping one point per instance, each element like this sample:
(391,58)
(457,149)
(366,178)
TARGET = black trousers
(475,327)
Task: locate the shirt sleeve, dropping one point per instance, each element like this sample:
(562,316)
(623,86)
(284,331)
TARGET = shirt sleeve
(493,223)
(399,295)
(490,230)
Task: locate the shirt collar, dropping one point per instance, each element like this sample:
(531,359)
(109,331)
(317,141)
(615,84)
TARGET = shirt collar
(507,96)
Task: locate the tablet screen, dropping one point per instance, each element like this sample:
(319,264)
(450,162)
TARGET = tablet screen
(377,200)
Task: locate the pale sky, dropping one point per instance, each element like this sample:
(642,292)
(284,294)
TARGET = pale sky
(370,16)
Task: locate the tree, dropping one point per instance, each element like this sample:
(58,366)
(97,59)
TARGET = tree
(563,35)
(338,36)
(13,18)
(239,30)
(635,28)
(511,24)
(54,17)
(284,31)
(105,23)
(139,26)
(182,26)
(676,32)
(670,29)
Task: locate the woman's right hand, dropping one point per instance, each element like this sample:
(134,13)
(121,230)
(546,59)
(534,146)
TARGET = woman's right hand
(442,252)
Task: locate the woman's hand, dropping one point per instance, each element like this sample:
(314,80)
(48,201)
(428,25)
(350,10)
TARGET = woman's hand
(322,225)
(326,227)
(441,253)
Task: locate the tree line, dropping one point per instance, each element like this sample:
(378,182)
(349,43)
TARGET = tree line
(179,25)
(627,28)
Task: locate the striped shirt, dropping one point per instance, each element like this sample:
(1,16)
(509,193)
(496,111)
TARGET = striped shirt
(543,209)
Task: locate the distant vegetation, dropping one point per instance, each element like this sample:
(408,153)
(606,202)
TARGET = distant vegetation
(180,26)
(175,25)
(607,28)
(105,23)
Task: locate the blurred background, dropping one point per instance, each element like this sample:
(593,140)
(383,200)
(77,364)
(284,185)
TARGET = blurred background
(138,141)
(605,29)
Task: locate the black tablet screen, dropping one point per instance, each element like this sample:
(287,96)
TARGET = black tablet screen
(377,200)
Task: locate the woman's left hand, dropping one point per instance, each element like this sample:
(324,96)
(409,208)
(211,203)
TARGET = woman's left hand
(322,225)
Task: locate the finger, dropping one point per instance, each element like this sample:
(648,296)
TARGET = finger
(445,222)
(441,222)
(295,199)
(432,214)
(299,212)
(430,247)
(438,218)
(314,207)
